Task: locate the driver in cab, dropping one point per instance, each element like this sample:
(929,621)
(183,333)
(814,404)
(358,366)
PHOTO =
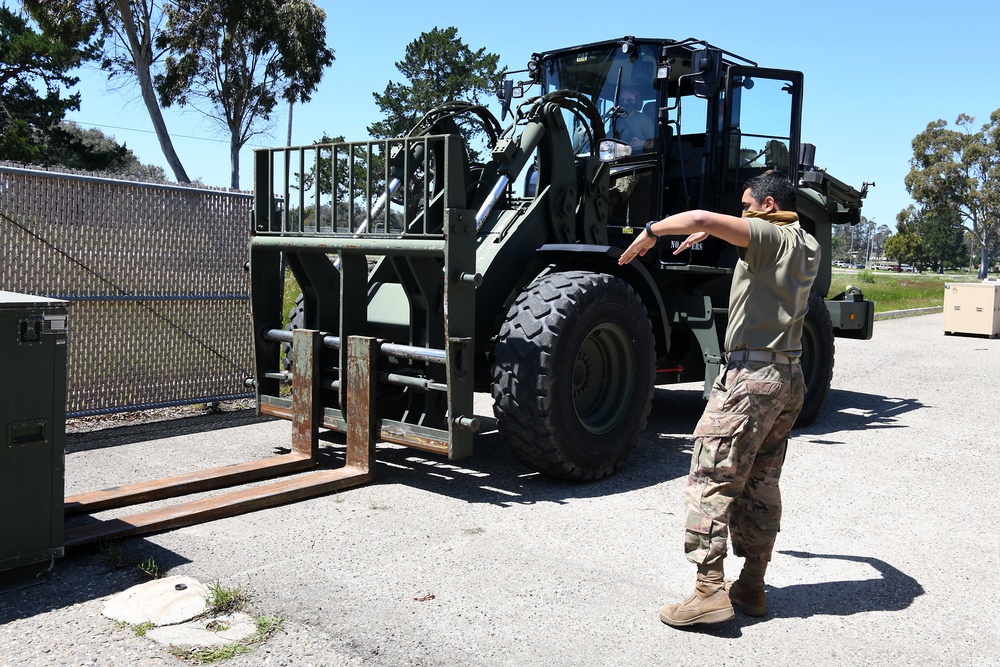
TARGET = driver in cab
(634,127)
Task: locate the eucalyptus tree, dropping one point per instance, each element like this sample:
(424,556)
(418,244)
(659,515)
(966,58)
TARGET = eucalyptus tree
(233,61)
(956,173)
(129,29)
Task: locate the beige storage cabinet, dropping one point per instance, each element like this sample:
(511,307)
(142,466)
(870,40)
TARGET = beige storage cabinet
(972,308)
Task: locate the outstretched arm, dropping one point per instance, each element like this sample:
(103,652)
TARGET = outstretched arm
(698,225)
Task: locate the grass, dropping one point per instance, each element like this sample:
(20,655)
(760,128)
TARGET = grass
(141,629)
(221,604)
(266,626)
(117,557)
(898,291)
(221,600)
(225,600)
(291,293)
(208,655)
(149,567)
(114,555)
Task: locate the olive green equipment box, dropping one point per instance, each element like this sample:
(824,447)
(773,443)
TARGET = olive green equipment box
(32,415)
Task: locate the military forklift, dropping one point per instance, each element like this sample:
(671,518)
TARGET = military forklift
(426,276)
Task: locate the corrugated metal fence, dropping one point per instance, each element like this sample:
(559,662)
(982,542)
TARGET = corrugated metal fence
(159,311)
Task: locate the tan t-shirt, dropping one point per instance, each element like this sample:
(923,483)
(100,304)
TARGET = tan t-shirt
(770,293)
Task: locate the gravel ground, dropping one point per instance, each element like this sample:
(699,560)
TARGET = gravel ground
(480,562)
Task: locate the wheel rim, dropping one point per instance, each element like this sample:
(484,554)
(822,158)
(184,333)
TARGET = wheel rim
(602,374)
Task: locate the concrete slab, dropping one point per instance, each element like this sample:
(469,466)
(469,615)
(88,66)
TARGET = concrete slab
(166,601)
(206,632)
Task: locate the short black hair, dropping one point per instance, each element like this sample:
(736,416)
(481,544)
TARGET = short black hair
(773,184)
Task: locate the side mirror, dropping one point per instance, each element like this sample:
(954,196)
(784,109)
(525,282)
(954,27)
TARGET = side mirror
(507,92)
(706,66)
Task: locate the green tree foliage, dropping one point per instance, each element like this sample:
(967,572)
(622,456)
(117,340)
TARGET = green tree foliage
(931,238)
(878,235)
(92,150)
(903,247)
(34,75)
(859,242)
(339,172)
(439,67)
(233,61)
(956,173)
(128,31)
(846,242)
(323,174)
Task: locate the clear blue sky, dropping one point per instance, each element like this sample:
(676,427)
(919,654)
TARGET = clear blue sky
(875,72)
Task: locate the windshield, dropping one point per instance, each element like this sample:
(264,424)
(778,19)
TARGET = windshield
(606,75)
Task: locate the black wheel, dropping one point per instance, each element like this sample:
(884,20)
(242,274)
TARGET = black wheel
(574,372)
(817,358)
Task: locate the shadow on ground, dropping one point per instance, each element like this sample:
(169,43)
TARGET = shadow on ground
(892,590)
(86,574)
(494,475)
(855,411)
(158,430)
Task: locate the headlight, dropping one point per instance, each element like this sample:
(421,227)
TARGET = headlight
(609,150)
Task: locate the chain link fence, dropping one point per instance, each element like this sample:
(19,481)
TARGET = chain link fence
(159,303)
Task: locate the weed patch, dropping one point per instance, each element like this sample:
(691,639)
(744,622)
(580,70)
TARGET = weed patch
(266,626)
(225,600)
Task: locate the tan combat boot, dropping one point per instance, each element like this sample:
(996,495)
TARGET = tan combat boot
(747,592)
(708,604)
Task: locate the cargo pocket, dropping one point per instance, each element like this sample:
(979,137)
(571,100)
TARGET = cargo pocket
(763,387)
(717,434)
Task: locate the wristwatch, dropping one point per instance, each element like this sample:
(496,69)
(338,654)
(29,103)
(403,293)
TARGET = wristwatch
(649,230)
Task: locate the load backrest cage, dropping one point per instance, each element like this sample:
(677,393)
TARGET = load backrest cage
(377,237)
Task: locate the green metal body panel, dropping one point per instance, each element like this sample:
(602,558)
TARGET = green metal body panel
(32,415)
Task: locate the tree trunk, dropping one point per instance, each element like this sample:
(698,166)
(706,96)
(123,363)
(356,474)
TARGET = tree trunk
(234,163)
(141,57)
(984,262)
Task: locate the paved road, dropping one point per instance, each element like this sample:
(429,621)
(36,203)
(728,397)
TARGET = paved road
(888,553)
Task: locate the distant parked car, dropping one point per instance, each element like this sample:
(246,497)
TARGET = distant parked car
(883,267)
(840,264)
(907,268)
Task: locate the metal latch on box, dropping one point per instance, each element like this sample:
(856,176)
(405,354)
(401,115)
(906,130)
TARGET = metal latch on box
(30,330)
(54,323)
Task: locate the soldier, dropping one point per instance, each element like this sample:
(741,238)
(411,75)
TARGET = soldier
(732,490)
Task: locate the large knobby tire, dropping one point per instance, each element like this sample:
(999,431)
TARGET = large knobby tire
(574,374)
(817,358)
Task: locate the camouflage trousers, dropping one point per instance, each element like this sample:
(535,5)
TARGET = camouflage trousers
(740,445)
